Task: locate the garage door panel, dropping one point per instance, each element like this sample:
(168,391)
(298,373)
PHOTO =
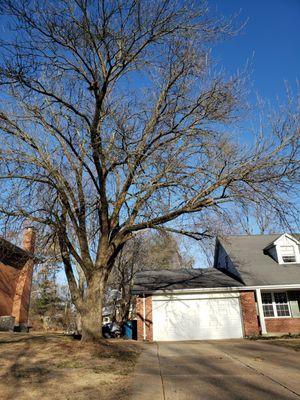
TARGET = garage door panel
(197,319)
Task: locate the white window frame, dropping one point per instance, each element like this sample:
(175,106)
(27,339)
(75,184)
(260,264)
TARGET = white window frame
(294,255)
(291,242)
(274,304)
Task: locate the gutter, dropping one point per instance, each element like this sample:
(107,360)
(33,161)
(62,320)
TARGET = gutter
(218,289)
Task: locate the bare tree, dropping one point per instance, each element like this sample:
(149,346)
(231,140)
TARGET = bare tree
(121,279)
(112,121)
(45,302)
(257,218)
(155,251)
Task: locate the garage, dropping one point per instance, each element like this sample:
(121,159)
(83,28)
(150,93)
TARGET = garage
(196,316)
(188,304)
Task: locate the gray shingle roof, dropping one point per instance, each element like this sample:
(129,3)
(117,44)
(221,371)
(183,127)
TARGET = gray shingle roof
(255,266)
(151,281)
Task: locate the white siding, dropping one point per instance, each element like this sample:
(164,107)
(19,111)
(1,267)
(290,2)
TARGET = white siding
(286,240)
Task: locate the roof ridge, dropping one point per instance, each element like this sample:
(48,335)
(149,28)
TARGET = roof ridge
(258,234)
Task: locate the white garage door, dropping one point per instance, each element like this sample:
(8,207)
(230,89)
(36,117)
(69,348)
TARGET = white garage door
(197,317)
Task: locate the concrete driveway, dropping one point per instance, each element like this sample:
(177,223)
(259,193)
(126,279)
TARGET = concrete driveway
(217,370)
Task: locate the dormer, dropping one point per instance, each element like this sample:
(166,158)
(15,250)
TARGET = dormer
(285,249)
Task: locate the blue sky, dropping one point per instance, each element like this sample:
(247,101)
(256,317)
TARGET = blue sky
(270,40)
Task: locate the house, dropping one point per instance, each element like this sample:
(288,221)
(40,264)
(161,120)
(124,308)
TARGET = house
(253,289)
(16,267)
(269,265)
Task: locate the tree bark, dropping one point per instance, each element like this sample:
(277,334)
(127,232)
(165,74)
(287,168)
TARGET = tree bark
(78,323)
(91,311)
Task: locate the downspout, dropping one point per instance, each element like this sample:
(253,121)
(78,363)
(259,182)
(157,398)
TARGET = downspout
(144,317)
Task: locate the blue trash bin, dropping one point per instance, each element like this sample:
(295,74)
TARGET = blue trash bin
(127,330)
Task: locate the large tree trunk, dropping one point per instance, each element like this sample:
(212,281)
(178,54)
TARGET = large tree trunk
(91,311)
(78,323)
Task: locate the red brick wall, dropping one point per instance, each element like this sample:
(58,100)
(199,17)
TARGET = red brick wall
(148,318)
(250,318)
(21,299)
(283,325)
(15,284)
(8,280)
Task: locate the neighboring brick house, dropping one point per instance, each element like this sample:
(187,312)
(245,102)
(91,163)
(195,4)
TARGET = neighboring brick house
(253,289)
(16,268)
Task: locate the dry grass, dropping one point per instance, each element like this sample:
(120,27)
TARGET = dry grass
(53,366)
(288,343)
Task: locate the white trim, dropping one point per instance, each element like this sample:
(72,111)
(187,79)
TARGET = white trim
(275,287)
(274,305)
(280,256)
(295,244)
(144,317)
(220,289)
(261,312)
(193,296)
(242,315)
(277,241)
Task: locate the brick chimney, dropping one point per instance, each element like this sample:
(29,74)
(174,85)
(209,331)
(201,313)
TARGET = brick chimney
(23,288)
(29,239)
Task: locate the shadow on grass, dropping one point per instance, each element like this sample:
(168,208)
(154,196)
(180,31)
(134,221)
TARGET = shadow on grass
(38,361)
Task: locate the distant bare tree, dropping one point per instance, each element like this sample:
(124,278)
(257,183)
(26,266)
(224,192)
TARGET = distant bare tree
(45,301)
(161,250)
(112,122)
(257,219)
(146,252)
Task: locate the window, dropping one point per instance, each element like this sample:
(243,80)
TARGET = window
(288,254)
(275,304)
(281,302)
(267,301)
